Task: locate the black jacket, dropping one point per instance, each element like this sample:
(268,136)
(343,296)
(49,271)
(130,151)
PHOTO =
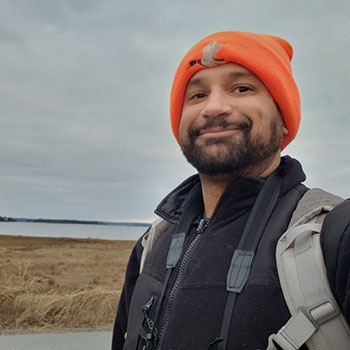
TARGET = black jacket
(192,317)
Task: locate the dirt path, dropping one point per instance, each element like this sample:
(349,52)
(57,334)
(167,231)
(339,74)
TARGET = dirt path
(58,341)
(56,283)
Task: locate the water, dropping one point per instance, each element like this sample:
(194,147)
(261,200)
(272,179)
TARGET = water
(112,232)
(57,341)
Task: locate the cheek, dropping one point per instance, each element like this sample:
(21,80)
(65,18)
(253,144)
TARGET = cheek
(181,126)
(185,120)
(182,129)
(265,114)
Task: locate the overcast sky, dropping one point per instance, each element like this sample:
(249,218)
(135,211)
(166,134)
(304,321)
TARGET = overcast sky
(84,98)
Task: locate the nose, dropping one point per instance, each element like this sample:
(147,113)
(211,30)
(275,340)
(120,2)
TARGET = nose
(216,104)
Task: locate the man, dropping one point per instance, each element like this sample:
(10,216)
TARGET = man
(234,106)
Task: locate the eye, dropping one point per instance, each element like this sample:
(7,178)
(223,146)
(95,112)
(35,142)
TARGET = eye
(242,89)
(197,96)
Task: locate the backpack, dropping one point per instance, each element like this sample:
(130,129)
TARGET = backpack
(316,319)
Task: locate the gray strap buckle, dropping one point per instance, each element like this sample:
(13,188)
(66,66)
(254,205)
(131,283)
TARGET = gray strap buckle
(322,313)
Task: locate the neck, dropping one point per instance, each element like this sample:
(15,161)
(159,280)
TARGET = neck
(212,189)
(214,186)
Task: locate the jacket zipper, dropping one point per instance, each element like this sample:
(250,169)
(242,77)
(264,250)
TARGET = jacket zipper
(203,224)
(169,305)
(166,218)
(175,222)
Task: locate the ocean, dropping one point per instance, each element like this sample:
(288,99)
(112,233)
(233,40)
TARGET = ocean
(112,232)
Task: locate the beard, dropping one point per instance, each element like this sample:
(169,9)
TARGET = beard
(234,154)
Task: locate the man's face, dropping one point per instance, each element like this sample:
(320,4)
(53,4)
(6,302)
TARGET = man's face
(229,122)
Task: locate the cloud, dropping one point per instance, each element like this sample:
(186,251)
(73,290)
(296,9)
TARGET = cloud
(84,128)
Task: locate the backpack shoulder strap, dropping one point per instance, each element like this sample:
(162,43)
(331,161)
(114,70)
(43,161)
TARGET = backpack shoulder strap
(313,203)
(157,228)
(316,319)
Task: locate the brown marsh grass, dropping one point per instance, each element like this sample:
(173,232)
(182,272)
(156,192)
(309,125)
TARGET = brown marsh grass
(59,283)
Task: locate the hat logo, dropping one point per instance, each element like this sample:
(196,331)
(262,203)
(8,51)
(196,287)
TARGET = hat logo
(209,53)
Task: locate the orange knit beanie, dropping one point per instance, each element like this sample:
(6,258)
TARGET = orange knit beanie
(267,56)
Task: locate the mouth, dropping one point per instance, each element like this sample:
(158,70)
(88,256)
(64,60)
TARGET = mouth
(219,131)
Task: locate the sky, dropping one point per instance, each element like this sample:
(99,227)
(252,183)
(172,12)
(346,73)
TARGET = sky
(84,98)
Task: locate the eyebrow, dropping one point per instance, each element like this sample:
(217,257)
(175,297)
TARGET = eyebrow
(229,76)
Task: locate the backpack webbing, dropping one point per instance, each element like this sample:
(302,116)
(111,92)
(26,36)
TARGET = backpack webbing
(316,319)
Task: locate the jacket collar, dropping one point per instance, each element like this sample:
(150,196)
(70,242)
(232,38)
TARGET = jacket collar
(240,194)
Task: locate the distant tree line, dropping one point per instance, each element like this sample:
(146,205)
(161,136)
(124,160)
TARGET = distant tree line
(81,222)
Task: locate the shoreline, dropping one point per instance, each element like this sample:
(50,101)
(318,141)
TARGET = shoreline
(59,230)
(26,331)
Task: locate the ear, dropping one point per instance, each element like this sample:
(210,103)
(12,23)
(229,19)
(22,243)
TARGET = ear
(283,126)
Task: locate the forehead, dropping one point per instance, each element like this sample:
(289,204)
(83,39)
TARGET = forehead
(224,72)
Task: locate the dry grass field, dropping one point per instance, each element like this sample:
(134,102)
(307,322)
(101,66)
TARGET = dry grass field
(60,283)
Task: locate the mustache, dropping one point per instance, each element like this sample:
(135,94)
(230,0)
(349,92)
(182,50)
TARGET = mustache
(221,122)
